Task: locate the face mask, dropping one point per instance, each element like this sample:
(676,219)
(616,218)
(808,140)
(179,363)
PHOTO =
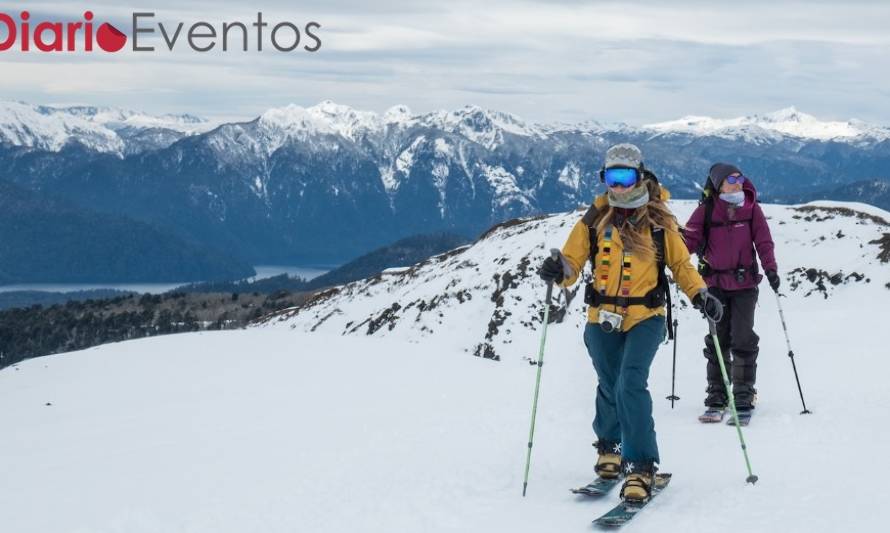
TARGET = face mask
(735,198)
(632,199)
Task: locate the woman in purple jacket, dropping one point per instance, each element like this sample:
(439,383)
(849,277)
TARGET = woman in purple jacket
(726,249)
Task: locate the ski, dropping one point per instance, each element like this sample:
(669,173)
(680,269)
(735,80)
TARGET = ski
(596,488)
(625,511)
(713,415)
(744,418)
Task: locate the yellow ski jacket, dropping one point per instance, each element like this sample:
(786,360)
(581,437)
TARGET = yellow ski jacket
(643,274)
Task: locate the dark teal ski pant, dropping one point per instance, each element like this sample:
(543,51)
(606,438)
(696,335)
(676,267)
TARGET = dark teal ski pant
(623,402)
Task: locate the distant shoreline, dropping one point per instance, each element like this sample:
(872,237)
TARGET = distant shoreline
(262,271)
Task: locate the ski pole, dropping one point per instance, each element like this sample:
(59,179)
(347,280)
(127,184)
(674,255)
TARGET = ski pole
(791,356)
(540,364)
(673,395)
(560,312)
(752,479)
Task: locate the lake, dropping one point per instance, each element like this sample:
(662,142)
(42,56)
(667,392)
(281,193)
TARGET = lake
(263,271)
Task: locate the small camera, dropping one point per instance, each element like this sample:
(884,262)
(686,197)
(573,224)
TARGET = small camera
(610,321)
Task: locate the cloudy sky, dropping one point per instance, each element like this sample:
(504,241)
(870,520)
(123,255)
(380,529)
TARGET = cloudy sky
(568,60)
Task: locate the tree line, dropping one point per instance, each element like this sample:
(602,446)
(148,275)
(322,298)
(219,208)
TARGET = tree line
(38,330)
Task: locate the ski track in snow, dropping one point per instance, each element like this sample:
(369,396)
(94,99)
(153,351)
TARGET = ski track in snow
(277,429)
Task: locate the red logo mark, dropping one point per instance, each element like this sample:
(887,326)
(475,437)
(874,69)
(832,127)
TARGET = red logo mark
(59,36)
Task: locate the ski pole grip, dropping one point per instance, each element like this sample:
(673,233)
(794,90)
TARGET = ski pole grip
(554,253)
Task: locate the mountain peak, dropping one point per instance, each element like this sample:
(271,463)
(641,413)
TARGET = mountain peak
(397,113)
(103,129)
(484,126)
(788,121)
(326,117)
(331,108)
(286,116)
(788,114)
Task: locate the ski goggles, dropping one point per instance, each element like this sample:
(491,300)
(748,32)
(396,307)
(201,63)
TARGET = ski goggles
(732,180)
(626,177)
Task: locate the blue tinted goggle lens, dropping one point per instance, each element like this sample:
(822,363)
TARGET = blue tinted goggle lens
(621,176)
(732,180)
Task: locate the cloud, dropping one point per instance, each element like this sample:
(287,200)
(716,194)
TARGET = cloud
(563,60)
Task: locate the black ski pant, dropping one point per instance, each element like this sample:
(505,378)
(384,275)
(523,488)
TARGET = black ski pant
(735,332)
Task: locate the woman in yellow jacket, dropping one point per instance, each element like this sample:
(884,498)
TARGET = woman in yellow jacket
(626,314)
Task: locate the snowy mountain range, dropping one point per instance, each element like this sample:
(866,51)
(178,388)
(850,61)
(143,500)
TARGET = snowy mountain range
(773,127)
(299,184)
(102,129)
(365,409)
(107,129)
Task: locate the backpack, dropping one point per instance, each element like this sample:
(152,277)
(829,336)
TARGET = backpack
(659,296)
(708,198)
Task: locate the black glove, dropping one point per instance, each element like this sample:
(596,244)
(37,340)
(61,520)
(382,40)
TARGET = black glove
(774,279)
(551,270)
(709,305)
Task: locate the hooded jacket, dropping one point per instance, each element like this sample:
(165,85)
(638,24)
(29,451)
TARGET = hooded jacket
(643,274)
(734,234)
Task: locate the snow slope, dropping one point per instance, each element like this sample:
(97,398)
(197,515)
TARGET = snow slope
(280,429)
(426,303)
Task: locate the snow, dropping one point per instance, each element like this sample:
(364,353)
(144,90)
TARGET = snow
(483,126)
(443,149)
(427,298)
(390,183)
(405,160)
(395,134)
(116,118)
(279,126)
(397,114)
(793,122)
(503,185)
(395,270)
(259,187)
(51,128)
(856,206)
(101,128)
(570,176)
(293,121)
(281,429)
(441,170)
(773,126)
(439,174)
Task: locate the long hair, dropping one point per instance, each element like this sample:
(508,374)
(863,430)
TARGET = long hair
(633,229)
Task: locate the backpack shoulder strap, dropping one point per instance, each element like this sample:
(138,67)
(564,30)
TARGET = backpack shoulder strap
(658,240)
(591,215)
(590,219)
(706,227)
(663,284)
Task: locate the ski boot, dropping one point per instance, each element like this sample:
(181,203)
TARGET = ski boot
(608,463)
(639,479)
(716,403)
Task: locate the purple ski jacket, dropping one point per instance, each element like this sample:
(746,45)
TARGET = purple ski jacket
(735,233)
